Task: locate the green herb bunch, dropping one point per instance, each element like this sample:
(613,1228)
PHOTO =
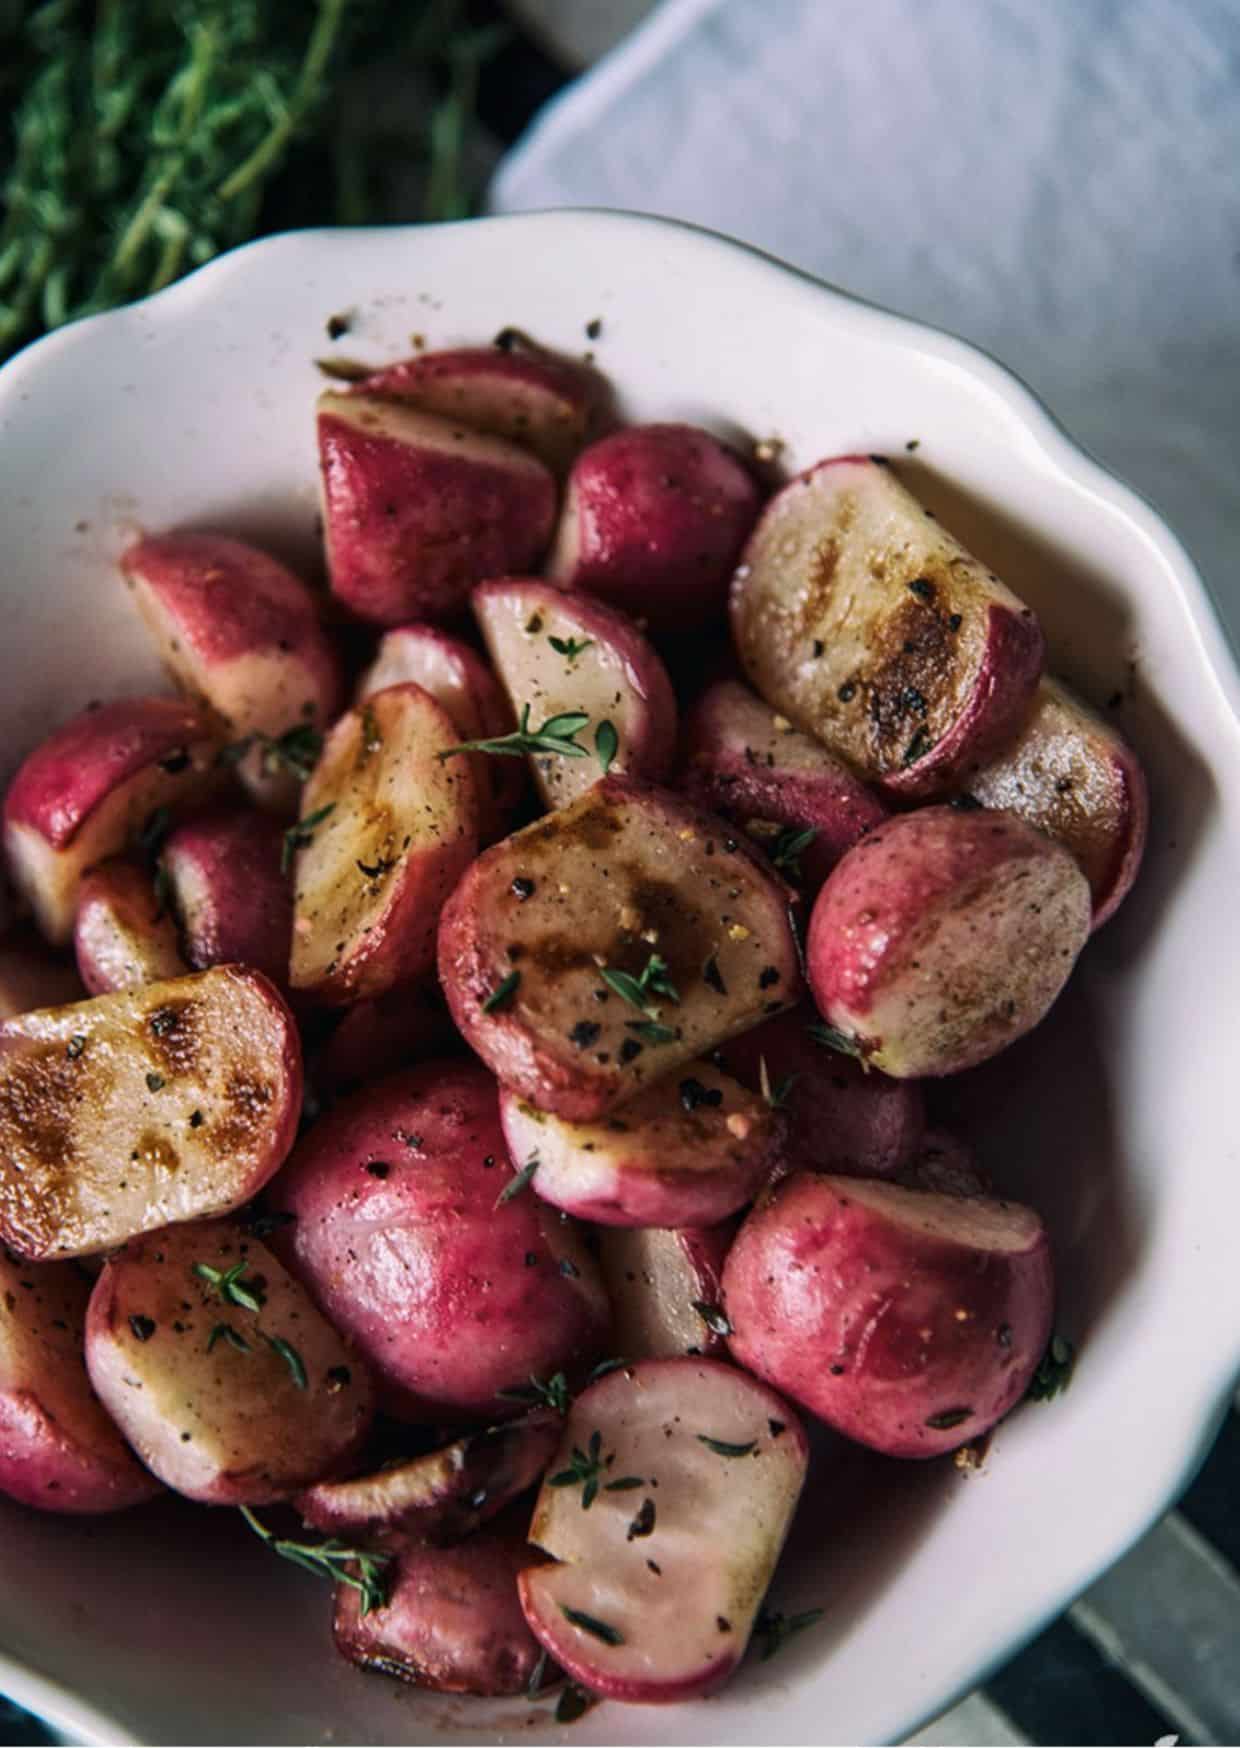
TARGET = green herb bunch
(149,135)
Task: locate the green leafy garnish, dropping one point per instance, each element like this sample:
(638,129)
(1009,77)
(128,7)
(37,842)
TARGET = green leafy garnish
(534,1686)
(302,833)
(585,1470)
(637,991)
(296,750)
(503,993)
(574,1703)
(226,1332)
(722,1448)
(651,1032)
(552,1394)
(776,1096)
(571,647)
(787,849)
(606,744)
(333,1559)
(591,1624)
(292,1359)
(520,1180)
(1055,1370)
(775,1629)
(714,1317)
(557,735)
(232,1286)
(834,1039)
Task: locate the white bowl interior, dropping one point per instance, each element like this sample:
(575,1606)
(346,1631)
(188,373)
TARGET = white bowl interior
(1114,1119)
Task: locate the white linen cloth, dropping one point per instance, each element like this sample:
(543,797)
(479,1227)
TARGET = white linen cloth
(1057,180)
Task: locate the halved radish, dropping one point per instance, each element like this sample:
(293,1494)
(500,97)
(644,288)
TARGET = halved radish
(907,1320)
(869,626)
(417,508)
(687,1151)
(745,762)
(1073,776)
(459,679)
(452,1621)
(91,787)
(695,1471)
(529,396)
(664,1287)
(125,936)
(59,1450)
(218,1369)
(231,892)
(629,879)
(558,652)
(32,977)
(235,627)
(444,1496)
(133,1111)
(386,831)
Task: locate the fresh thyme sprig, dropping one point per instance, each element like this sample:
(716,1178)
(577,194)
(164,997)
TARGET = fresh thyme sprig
(333,1559)
(637,991)
(557,735)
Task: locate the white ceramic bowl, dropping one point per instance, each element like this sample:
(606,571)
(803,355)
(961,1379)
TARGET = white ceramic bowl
(195,407)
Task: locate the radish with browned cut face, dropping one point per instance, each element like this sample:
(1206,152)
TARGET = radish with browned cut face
(871,628)
(111,778)
(1073,776)
(459,680)
(909,1321)
(168,1103)
(800,804)
(59,1450)
(124,934)
(687,1151)
(531,397)
(387,828)
(944,936)
(417,508)
(664,1285)
(653,520)
(559,652)
(840,1115)
(219,1370)
(665,1512)
(689,925)
(237,629)
(445,1495)
(451,1618)
(417,1241)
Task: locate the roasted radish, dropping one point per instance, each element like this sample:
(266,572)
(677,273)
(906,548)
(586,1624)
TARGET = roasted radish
(136,1110)
(230,891)
(871,628)
(387,829)
(125,935)
(664,1287)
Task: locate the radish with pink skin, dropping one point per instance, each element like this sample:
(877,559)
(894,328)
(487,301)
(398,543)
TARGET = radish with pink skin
(840,1117)
(665,1291)
(745,762)
(443,1496)
(387,829)
(417,509)
(86,792)
(627,878)
(532,398)
(909,1321)
(403,1235)
(124,936)
(869,627)
(943,936)
(656,1586)
(32,977)
(237,628)
(59,1451)
(557,652)
(459,680)
(173,1102)
(226,1404)
(1070,773)
(452,1622)
(230,892)
(687,1151)
(653,521)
